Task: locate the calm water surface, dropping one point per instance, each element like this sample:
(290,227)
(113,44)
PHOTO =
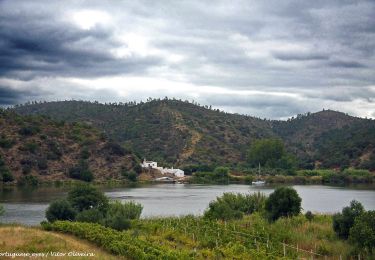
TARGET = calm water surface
(28,206)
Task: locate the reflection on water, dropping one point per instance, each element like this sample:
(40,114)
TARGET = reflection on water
(27,205)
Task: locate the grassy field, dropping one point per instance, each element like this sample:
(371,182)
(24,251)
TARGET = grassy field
(192,237)
(14,238)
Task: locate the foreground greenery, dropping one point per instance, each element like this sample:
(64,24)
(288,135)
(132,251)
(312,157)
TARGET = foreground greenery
(251,237)
(235,226)
(87,204)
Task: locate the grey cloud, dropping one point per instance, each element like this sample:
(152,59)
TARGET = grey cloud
(346,64)
(343,94)
(261,105)
(37,45)
(299,56)
(294,47)
(11,96)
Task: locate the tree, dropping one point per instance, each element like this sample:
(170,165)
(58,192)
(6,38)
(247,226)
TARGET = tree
(119,214)
(84,197)
(81,172)
(221,172)
(309,216)
(342,222)
(270,153)
(362,233)
(128,210)
(5,174)
(60,210)
(283,202)
(90,216)
(234,206)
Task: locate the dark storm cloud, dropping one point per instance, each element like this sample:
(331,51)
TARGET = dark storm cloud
(312,53)
(10,96)
(34,45)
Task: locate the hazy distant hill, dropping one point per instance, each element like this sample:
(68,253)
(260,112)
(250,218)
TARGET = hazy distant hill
(51,150)
(183,133)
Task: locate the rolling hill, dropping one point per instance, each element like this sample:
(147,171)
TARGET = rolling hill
(181,133)
(36,148)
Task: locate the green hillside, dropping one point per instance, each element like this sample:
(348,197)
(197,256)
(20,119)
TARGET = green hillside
(35,148)
(181,133)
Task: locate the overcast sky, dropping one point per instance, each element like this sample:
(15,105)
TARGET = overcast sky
(271,59)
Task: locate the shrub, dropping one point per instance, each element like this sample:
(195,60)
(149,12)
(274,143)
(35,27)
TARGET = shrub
(2,211)
(115,149)
(81,172)
(117,222)
(26,169)
(131,175)
(5,174)
(85,153)
(29,180)
(137,168)
(362,234)
(55,151)
(29,130)
(84,197)
(283,202)
(221,172)
(309,215)
(42,163)
(128,210)
(6,143)
(31,147)
(90,215)
(233,206)
(119,214)
(60,210)
(342,222)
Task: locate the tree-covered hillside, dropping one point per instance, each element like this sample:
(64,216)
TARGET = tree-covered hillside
(35,148)
(168,131)
(182,133)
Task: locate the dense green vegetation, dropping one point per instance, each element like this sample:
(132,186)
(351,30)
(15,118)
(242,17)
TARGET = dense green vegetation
(87,204)
(235,226)
(362,234)
(283,202)
(357,225)
(186,134)
(5,174)
(351,145)
(234,206)
(219,175)
(270,153)
(60,210)
(344,221)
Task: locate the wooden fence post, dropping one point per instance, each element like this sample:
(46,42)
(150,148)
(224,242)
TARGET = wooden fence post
(284,249)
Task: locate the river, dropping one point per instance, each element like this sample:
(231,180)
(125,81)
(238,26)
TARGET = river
(27,205)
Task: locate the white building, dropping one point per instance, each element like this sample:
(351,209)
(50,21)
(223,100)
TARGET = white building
(176,172)
(149,164)
(154,165)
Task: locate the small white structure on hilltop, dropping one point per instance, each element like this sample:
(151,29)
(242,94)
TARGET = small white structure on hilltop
(149,164)
(154,165)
